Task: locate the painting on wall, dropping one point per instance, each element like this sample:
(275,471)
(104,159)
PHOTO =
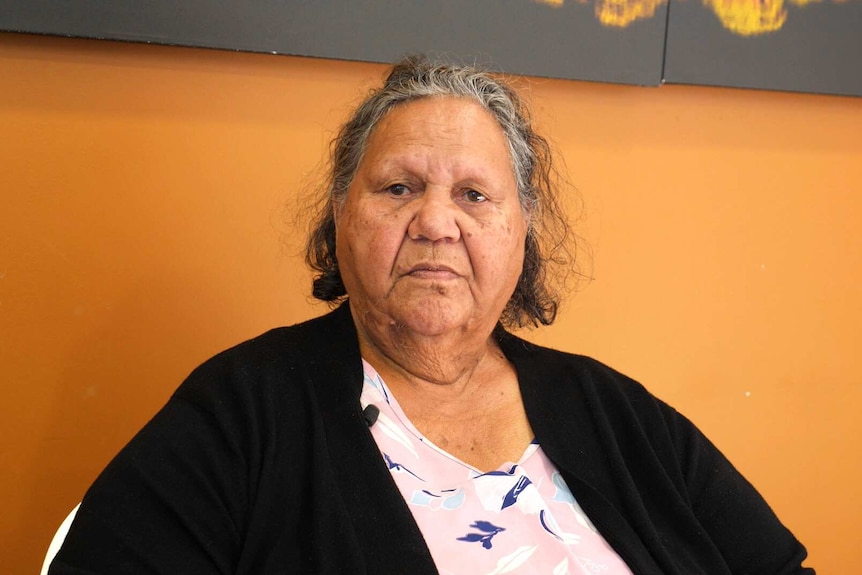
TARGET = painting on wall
(794,45)
(601,40)
(797,45)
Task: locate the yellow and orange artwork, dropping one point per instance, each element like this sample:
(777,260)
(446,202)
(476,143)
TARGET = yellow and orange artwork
(616,13)
(755,17)
(621,13)
(749,17)
(741,17)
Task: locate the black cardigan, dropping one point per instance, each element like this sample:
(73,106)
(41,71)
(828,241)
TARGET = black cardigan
(261,463)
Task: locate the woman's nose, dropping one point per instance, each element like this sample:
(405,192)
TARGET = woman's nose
(435,219)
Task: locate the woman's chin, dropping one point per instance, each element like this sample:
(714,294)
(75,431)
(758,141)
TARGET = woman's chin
(431,317)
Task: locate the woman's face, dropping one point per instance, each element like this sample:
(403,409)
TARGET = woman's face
(431,234)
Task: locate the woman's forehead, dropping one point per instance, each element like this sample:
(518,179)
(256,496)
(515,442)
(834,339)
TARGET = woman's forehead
(437,129)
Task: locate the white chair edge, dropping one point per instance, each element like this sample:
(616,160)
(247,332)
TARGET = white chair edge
(58,539)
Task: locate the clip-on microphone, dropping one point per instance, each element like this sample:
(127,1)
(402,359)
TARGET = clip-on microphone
(370,413)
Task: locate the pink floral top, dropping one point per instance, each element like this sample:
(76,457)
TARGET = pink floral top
(521,518)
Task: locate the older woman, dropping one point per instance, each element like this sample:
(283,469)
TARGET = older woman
(407,431)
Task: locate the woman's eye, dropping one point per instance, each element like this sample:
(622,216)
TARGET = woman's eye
(398,190)
(473,196)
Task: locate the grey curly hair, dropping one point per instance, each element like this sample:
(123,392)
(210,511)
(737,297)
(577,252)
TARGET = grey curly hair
(535,299)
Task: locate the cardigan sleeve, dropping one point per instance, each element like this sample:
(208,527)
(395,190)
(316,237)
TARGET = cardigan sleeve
(232,476)
(736,517)
(202,487)
(170,502)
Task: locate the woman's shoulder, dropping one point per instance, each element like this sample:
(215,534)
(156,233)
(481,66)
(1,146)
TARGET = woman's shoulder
(306,339)
(572,387)
(567,369)
(280,361)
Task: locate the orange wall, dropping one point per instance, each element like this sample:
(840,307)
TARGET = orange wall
(143,228)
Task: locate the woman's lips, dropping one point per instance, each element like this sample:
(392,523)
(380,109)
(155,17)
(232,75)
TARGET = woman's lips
(432,272)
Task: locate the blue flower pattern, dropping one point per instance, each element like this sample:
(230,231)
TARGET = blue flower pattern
(487,532)
(512,496)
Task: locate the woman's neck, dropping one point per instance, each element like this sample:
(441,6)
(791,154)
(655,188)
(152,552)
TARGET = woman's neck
(450,358)
(463,395)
